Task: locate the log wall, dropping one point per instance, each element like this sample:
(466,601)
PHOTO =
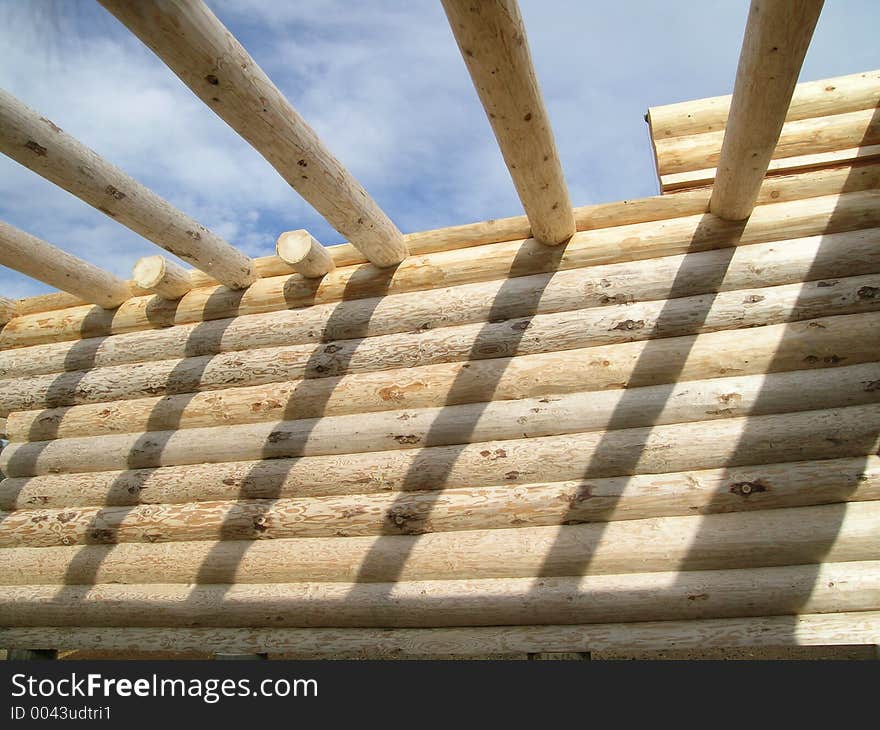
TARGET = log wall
(665,429)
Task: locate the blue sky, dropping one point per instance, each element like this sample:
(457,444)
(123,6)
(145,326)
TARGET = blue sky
(383,84)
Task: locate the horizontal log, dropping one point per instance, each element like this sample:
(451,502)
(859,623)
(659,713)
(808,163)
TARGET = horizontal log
(771,348)
(781,221)
(541,333)
(860,627)
(830,587)
(305,255)
(41,260)
(770,486)
(786,165)
(446,425)
(803,137)
(678,447)
(757,265)
(810,99)
(603,215)
(41,146)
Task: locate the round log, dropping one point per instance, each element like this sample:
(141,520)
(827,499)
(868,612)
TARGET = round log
(693,594)
(8,310)
(304,254)
(162,276)
(42,261)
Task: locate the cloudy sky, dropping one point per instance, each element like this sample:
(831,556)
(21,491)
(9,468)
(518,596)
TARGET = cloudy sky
(383,84)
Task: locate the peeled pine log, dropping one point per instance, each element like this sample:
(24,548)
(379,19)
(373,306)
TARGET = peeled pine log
(480,508)
(820,98)
(447,425)
(860,627)
(757,265)
(41,146)
(693,594)
(202,52)
(8,310)
(561,331)
(304,254)
(829,214)
(493,44)
(776,40)
(811,344)
(42,261)
(162,276)
(728,442)
(804,137)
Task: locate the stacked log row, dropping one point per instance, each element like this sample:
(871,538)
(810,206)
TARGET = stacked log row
(830,122)
(666,428)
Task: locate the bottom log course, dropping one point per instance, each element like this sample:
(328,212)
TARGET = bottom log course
(861,627)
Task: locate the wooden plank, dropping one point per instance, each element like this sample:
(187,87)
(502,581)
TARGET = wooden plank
(202,52)
(42,261)
(45,148)
(776,39)
(492,40)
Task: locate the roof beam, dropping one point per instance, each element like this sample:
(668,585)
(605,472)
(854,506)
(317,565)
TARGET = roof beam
(493,43)
(164,277)
(197,47)
(43,261)
(776,39)
(41,146)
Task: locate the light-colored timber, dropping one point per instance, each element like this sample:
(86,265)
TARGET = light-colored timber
(199,49)
(162,276)
(635,499)
(530,335)
(786,187)
(731,442)
(816,343)
(305,255)
(861,627)
(816,257)
(40,260)
(441,426)
(821,98)
(776,39)
(45,148)
(8,309)
(492,40)
(830,587)
(829,214)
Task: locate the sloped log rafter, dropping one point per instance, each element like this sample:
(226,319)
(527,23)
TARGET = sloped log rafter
(199,49)
(776,39)
(492,39)
(45,148)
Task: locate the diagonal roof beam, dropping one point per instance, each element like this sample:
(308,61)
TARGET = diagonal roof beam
(492,40)
(197,47)
(42,261)
(40,145)
(777,35)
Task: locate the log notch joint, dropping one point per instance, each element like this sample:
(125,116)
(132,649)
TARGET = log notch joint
(493,42)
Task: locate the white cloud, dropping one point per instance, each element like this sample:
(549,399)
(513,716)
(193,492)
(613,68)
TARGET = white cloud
(383,84)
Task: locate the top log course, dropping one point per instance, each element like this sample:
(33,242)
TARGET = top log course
(492,40)
(788,187)
(821,98)
(43,261)
(775,43)
(194,44)
(45,148)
